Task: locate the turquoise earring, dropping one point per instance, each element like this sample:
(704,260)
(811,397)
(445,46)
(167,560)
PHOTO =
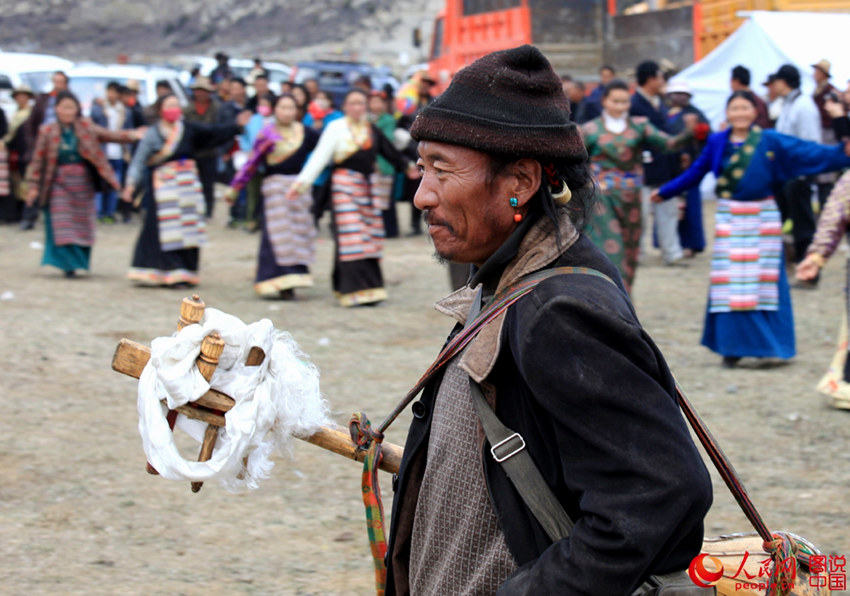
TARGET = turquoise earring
(514,203)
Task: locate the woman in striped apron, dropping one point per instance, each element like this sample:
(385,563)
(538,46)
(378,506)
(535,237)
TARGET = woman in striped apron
(68,163)
(614,143)
(167,251)
(287,244)
(749,301)
(833,226)
(352,144)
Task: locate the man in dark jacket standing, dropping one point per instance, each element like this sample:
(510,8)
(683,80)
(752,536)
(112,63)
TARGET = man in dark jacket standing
(593,103)
(42,113)
(506,187)
(648,102)
(203,108)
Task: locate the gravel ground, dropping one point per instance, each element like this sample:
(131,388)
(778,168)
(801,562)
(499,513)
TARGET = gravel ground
(79,515)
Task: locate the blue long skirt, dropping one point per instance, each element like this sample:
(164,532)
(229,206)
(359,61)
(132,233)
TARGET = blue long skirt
(755,333)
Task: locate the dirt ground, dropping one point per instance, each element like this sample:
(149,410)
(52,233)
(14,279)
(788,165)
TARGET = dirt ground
(79,515)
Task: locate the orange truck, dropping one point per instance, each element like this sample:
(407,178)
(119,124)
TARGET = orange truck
(465,30)
(578,36)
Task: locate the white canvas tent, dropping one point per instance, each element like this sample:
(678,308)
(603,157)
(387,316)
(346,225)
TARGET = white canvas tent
(763,43)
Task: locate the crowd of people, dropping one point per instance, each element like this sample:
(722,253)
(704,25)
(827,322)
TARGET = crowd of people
(652,147)
(289,155)
(164,161)
(529,190)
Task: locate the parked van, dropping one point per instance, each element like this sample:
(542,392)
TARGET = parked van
(89,81)
(338,76)
(33,70)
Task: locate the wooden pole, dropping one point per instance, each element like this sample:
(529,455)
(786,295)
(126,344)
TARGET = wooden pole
(131,357)
(211,349)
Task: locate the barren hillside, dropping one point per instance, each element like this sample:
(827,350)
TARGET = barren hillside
(378,30)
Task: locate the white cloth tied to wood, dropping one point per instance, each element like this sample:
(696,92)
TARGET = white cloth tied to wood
(275,401)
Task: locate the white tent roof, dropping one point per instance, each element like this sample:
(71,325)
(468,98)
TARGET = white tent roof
(763,43)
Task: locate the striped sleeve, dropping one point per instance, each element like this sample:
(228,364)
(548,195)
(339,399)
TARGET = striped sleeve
(834,220)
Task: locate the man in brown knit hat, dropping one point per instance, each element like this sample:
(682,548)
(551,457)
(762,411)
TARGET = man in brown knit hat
(567,369)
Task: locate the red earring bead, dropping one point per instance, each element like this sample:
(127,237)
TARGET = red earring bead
(517,217)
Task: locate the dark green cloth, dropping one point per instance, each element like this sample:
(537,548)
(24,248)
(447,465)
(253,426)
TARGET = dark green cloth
(69,257)
(386,124)
(68,152)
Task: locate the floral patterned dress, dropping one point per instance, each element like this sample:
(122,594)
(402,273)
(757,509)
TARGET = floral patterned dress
(617,164)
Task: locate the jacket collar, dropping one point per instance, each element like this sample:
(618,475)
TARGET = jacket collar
(530,248)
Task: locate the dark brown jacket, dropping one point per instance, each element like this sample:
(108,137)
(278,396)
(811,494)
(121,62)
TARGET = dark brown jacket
(42,167)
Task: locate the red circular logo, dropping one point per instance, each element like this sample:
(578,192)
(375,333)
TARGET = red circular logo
(703,577)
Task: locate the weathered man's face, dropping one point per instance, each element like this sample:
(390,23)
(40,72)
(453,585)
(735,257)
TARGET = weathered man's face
(468,219)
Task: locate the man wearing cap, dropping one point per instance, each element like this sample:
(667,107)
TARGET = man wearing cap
(203,108)
(823,90)
(14,143)
(22,96)
(506,187)
(799,118)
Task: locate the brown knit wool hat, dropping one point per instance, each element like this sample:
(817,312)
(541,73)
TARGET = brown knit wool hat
(508,102)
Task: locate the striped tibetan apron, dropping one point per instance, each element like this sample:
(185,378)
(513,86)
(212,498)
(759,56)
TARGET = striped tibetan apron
(289,222)
(359,227)
(747,256)
(72,209)
(180,205)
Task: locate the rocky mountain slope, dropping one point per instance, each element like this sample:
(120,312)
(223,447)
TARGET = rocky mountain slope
(376,30)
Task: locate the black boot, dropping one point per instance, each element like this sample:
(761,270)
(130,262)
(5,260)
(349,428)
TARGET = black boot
(730,361)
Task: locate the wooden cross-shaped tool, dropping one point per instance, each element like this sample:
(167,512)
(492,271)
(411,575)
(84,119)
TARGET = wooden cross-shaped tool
(130,358)
(210,410)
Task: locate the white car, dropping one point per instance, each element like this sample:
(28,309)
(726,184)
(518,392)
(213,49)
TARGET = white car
(89,81)
(33,70)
